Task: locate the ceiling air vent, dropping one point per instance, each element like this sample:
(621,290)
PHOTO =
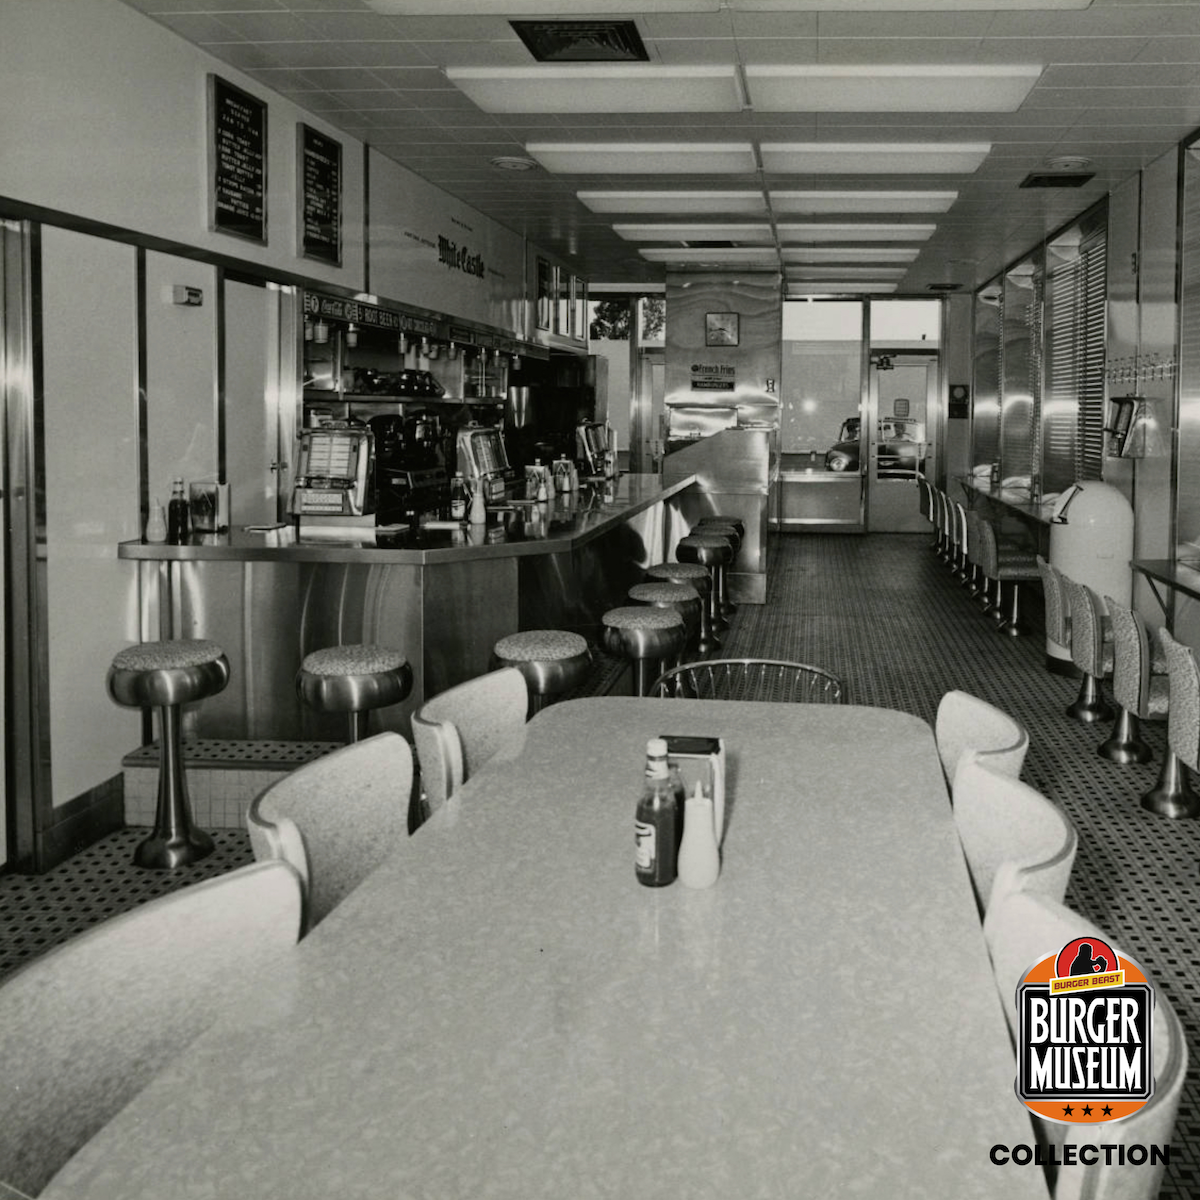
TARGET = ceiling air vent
(582,41)
(943,287)
(1057,179)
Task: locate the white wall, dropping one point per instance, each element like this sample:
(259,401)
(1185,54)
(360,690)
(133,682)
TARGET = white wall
(90,389)
(105,117)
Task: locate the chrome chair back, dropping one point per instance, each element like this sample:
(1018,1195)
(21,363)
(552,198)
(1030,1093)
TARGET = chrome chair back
(750,679)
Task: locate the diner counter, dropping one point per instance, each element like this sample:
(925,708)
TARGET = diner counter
(271,597)
(502,1010)
(515,528)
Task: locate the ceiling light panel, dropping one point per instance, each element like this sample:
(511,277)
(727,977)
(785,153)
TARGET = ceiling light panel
(871,158)
(842,273)
(607,88)
(535,8)
(753,234)
(835,287)
(756,256)
(749,203)
(845,232)
(645,158)
(850,254)
(843,89)
(861,202)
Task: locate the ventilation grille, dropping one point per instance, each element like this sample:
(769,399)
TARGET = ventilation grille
(582,41)
(1057,179)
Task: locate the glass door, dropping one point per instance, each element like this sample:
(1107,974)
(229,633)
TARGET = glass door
(822,467)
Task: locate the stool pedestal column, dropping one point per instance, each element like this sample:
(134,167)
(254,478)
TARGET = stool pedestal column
(175,842)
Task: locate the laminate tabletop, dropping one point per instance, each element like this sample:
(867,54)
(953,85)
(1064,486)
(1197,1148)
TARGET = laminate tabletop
(502,1010)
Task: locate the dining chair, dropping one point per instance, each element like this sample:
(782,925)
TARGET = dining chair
(86,1026)
(457,731)
(1173,794)
(1000,819)
(1140,684)
(966,722)
(750,679)
(336,818)
(1022,927)
(1054,603)
(1091,651)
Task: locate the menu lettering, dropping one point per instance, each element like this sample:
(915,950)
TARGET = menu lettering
(320,165)
(237,161)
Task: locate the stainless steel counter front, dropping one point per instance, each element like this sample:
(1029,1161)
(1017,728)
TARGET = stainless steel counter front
(444,597)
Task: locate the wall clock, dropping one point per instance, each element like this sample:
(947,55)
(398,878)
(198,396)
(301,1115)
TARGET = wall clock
(721,329)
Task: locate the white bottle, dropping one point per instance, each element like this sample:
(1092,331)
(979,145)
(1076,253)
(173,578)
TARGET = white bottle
(478,514)
(699,860)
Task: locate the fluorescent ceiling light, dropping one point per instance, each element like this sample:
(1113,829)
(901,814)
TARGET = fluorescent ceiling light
(874,158)
(861,202)
(751,203)
(645,158)
(722,256)
(841,272)
(538,8)
(603,88)
(849,254)
(975,88)
(834,287)
(800,234)
(758,234)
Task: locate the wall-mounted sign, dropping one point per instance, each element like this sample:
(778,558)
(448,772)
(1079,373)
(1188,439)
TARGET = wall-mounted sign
(713,377)
(319,188)
(339,308)
(237,161)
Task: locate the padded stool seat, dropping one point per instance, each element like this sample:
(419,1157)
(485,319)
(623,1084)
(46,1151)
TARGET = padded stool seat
(680,596)
(734,531)
(698,578)
(721,519)
(647,636)
(354,679)
(552,661)
(165,675)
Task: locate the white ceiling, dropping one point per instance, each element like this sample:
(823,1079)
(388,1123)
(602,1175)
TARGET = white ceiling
(1119,85)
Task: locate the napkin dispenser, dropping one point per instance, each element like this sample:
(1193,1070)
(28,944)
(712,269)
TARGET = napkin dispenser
(701,760)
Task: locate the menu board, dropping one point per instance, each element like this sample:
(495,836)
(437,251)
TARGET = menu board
(319,161)
(237,156)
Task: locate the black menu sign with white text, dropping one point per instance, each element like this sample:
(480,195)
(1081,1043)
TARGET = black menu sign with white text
(237,145)
(319,161)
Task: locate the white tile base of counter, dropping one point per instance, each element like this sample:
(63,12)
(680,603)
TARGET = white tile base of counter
(223,777)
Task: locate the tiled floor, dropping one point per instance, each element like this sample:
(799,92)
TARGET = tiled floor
(883,613)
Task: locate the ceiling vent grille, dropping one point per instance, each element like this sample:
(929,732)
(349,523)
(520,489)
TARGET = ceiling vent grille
(582,41)
(1057,179)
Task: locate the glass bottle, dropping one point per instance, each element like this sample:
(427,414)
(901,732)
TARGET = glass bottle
(657,820)
(177,515)
(156,523)
(458,497)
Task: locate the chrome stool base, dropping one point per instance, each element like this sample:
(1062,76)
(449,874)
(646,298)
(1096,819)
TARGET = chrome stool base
(1090,705)
(1124,744)
(1172,795)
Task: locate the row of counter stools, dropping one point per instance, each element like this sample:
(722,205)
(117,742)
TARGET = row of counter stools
(681,603)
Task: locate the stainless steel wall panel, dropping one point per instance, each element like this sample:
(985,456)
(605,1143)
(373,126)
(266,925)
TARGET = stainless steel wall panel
(985,409)
(1187,513)
(1021,383)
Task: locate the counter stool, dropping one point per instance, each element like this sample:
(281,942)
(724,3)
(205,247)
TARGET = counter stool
(645,635)
(699,579)
(553,661)
(715,553)
(735,531)
(1173,795)
(718,519)
(354,679)
(1090,652)
(682,597)
(1001,565)
(165,675)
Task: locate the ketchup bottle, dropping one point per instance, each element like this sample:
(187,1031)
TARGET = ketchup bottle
(657,822)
